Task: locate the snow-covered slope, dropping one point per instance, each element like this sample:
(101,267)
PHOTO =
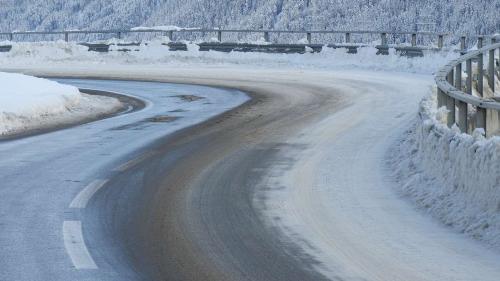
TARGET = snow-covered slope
(28,103)
(457,16)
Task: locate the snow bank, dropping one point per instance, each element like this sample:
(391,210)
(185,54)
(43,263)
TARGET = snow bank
(28,103)
(453,176)
(162,27)
(154,53)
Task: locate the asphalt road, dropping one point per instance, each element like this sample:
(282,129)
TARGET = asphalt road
(126,199)
(288,186)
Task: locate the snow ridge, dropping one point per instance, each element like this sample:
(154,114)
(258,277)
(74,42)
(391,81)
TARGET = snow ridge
(29,103)
(453,176)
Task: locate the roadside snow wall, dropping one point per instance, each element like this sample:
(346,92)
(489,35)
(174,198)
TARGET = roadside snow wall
(453,176)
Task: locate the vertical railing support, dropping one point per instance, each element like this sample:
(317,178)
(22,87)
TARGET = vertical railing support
(491,67)
(119,34)
(440,41)
(480,74)
(462,116)
(11,37)
(414,40)
(266,36)
(462,45)
(219,36)
(170,35)
(481,118)
(348,38)
(309,39)
(66,36)
(458,76)
(441,98)
(468,66)
(450,103)
(383,39)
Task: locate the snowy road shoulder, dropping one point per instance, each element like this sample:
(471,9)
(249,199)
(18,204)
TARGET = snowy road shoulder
(29,104)
(338,202)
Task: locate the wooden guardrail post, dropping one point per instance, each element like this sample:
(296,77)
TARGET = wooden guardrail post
(348,37)
(170,35)
(11,36)
(440,41)
(491,67)
(309,38)
(450,103)
(480,74)
(266,36)
(383,39)
(414,40)
(462,45)
(119,35)
(468,66)
(219,36)
(462,106)
(66,36)
(481,118)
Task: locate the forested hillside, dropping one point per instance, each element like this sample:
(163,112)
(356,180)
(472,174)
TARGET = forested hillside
(457,16)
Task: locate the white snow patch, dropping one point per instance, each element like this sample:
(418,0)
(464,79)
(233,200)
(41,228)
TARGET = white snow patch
(28,103)
(453,176)
(162,28)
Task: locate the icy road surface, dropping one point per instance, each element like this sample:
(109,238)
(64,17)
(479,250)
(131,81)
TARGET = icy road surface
(291,186)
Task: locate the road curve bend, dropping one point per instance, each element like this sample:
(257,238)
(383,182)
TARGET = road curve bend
(288,186)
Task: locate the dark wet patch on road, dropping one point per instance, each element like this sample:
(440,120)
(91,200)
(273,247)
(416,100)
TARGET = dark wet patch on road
(143,124)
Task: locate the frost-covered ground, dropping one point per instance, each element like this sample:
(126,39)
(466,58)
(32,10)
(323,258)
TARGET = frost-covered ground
(453,176)
(154,53)
(28,103)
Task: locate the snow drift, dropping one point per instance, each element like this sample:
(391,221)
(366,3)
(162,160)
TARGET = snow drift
(28,103)
(453,176)
(154,53)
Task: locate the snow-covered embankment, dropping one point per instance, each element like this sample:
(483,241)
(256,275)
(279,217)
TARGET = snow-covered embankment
(28,103)
(453,176)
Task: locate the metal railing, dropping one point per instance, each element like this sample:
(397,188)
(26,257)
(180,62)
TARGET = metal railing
(411,37)
(472,104)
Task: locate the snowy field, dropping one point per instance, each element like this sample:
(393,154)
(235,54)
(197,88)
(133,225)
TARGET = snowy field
(28,103)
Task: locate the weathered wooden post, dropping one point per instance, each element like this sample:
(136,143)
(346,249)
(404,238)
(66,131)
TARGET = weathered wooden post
(481,118)
(491,67)
(462,106)
(66,36)
(266,36)
(414,40)
(468,66)
(219,35)
(11,36)
(462,44)
(309,40)
(450,103)
(348,37)
(383,39)
(480,74)
(440,41)
(119,34)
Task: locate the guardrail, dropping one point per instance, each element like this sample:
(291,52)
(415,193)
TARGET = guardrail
(219,32)
(473,104)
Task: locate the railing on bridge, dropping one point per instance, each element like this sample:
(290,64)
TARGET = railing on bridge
(348,36)
(472,104)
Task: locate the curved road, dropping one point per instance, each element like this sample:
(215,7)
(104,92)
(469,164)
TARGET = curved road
(289,186)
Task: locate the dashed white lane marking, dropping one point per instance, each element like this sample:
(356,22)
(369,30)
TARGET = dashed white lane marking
(75,245)
(127,165)
(83,198)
